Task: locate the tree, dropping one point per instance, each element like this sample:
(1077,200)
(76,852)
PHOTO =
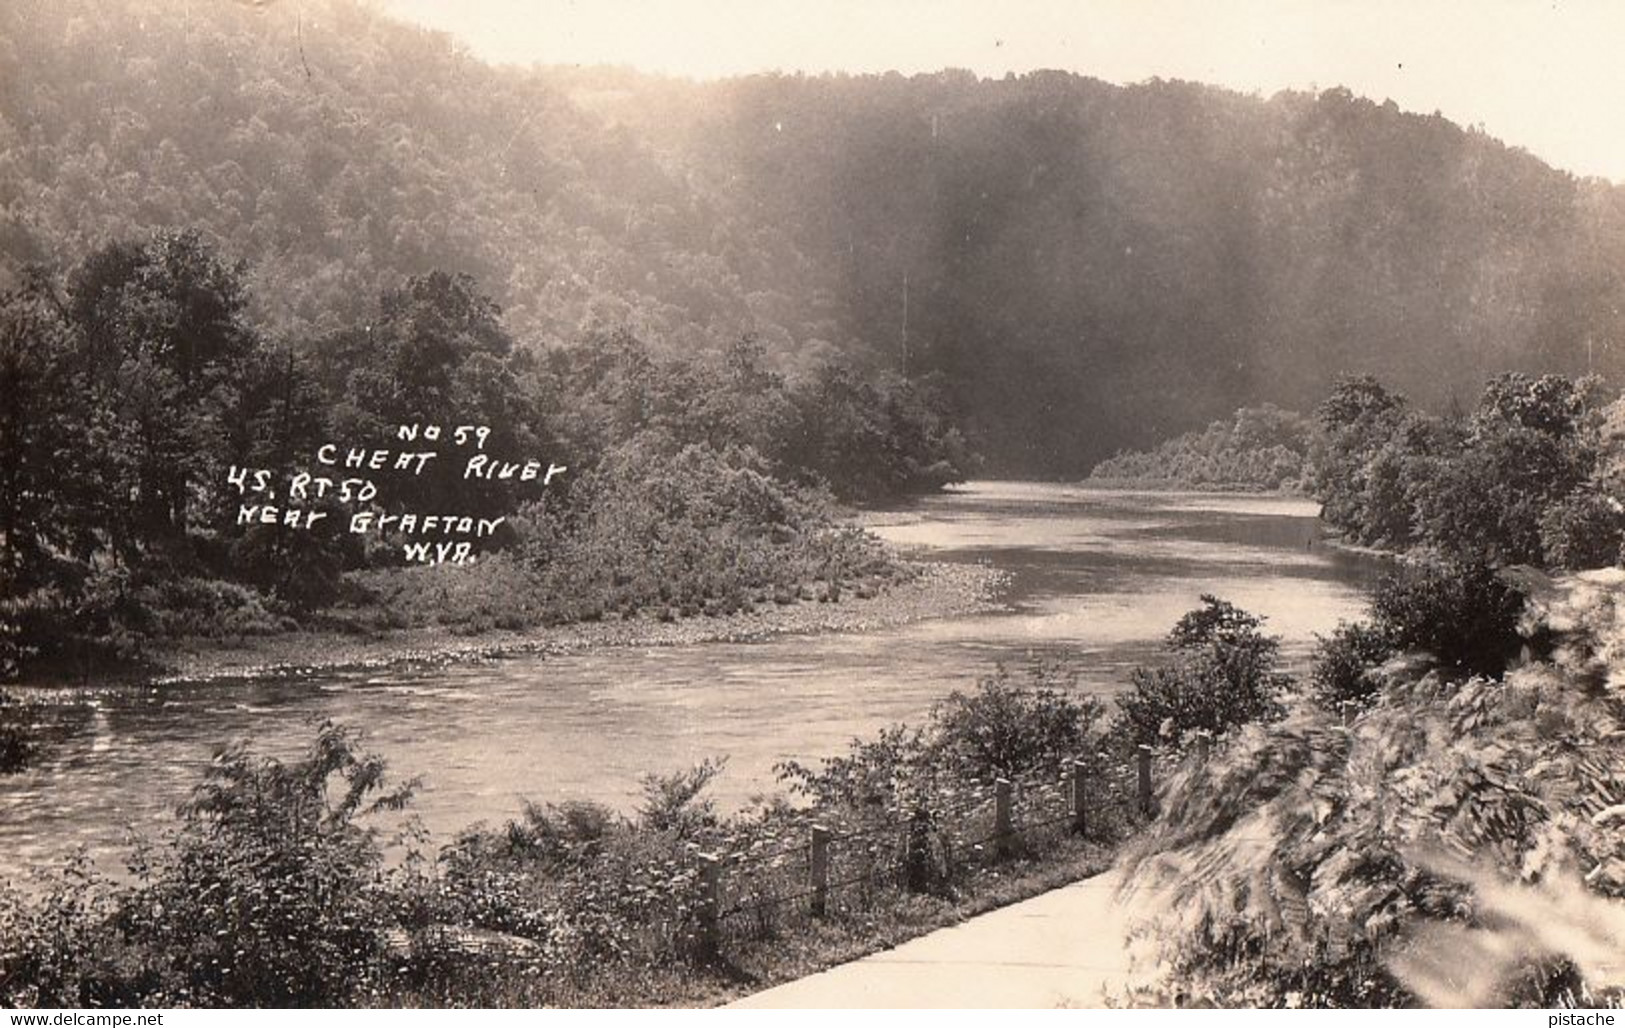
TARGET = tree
(435,354)
(1528,447)
(163,330)
(47,526)
(1356,422)
(874,436)
(42,440)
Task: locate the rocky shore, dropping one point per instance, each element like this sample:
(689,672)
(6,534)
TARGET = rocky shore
(936,590)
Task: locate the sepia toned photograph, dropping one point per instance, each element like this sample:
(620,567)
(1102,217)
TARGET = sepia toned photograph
(913,504)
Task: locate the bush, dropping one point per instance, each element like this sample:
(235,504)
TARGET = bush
(268,895)
(62,947)
(689,530)
(496,592)
(673,802)
(116,614)
(207,608)
(1002,728)
(1461,612)
(1222,674)
(1341,662)
(868,778)
(1005,729)
(578,893)
(1584,531)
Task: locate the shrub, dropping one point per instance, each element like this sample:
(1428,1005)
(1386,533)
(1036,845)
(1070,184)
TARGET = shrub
(1223,673)
(1583,531)
(61,945)
(868,777)
(268,895)
(495,592)
(1339,669)
(688,529)
(672,802)
(207,608)
(117,613)
(594,893)
(1462,612)
(1005,729)
(1217,621)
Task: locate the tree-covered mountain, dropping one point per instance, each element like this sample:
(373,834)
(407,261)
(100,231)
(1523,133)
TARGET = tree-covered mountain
(1088,266)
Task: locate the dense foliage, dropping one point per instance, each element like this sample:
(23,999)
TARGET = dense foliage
(1222,674)
(1068,253)
(1471,807)
(686,531)
(267,894)
(1466,615)
(1529,476)
(1004,727)
(1343,662)
(135,385)
(1461,824)
(1263,449)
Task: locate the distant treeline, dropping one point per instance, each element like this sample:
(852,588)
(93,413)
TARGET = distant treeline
(134,387)
(1263,449)
(1534,474)
(1090,267)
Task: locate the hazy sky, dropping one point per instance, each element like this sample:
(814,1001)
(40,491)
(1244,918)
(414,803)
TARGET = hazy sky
(1549,77)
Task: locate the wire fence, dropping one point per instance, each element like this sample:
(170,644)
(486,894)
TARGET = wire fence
(824,863)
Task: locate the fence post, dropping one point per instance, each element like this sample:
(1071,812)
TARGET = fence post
(1003,793)
(1144,757)
(710,905)
(1080,798)
(818,867)
(1204,744)
(1350,708)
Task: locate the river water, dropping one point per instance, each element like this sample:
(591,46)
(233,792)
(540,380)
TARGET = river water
(1095,578)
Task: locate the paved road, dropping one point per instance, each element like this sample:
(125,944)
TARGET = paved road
(1066,948)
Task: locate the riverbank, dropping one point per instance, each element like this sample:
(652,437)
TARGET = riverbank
(1177,485)
(932,590)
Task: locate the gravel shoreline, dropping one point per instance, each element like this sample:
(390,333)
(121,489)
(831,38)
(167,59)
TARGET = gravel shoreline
(937,590)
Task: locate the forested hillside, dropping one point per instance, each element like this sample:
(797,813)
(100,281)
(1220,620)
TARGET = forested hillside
(1090,267)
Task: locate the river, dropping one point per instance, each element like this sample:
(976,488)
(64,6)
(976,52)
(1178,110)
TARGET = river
(1095,577)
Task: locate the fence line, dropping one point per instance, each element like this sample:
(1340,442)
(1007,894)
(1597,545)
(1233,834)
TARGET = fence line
(898,851)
